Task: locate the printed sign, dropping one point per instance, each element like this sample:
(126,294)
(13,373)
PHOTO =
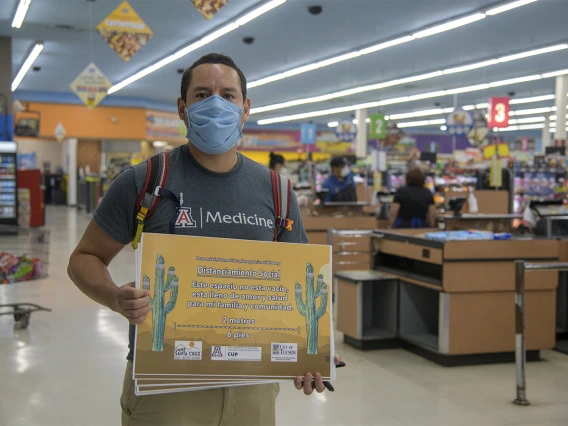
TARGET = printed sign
(124,31)
(91,86)
(346,131)
(208,8)
(498,111)
(459,122)
(59,132)
(378,126)
(165,126)
(213,300)
(308,133)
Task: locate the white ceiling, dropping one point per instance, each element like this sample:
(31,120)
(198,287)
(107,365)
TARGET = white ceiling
(289,36)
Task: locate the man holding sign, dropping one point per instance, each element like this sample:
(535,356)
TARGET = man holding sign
(217,193)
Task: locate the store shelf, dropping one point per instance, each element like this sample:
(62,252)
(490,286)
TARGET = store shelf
(10,177)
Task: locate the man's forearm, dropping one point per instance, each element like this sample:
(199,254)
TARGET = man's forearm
(91,276)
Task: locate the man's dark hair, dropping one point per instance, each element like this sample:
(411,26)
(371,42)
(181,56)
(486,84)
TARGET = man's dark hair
(212,58)
(338,162)
(415,177)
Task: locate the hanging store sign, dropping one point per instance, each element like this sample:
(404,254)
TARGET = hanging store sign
(499,108)
(378,127)
(459,122)
(346,131)
(308,134)
(208,8)
(91,86)
(124,31)
(59,132)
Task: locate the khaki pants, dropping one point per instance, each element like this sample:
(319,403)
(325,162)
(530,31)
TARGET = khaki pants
(238,406)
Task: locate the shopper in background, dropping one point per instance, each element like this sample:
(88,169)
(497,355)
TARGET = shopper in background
(213,176)
(277,162)
(413,204)
(340,184)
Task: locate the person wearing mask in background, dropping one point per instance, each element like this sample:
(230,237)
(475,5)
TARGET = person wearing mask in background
(340,184)
(209,172)
(413,204)
(277,163)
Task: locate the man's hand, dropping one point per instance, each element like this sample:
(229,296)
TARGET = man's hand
(305,382)
(132,303)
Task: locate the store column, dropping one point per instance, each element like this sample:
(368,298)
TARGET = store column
(5,88)
(361,139)
(561,111)
(70,167)
(546,139)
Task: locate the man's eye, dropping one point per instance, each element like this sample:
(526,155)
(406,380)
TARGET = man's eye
(201,95)
(228,96)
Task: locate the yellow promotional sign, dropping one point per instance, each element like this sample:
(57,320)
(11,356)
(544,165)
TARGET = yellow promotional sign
(502,150)
(223,308)
(124,31)
(91,86)
(208,8)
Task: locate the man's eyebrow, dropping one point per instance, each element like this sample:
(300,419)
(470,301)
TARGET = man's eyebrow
(230,89)
(200,88)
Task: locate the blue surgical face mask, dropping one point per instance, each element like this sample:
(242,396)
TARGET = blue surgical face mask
(214,125)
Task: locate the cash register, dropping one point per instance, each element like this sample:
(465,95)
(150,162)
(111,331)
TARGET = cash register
(551,218)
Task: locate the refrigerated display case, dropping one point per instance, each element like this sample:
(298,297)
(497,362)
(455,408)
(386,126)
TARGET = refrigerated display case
(8,184)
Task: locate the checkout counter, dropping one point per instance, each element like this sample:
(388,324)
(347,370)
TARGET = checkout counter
(449,301)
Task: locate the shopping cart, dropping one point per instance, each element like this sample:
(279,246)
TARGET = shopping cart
(22,312)
(24,254)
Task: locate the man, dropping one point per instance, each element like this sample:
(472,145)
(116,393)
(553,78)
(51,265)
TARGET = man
(216,181)
(340,184)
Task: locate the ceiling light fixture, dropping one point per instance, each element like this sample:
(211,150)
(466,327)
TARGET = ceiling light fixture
(435,29)
(422,123)
(527,120)
(20,14)
(532,99)
(27,65)
(197,44)
(333,124)
(398,100)
(508,6)
(379,86)
(531,111)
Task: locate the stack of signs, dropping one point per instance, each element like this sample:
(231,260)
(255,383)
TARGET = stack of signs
(231,312)
(208,8)
(124,31)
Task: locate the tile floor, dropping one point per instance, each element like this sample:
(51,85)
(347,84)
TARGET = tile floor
(66,368)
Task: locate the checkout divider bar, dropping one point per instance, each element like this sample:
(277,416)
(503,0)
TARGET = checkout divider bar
(521,267)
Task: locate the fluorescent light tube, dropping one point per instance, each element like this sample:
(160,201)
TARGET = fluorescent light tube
(533,52)
(508,6)
(20,14)
(386,45)
(367,120)
(443,128)
(527,120)
(337,59)
(555,73)
(449,25)
(471,67)
(333,124)
(532,99)
(27,65)
(530,111)
(197,44)
(515,80)
(474,88)
(531,126)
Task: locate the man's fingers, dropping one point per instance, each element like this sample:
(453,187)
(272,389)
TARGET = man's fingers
(133,304)
(308,384)
(137,313)
(132,293)
(320,387)
(337,359)
(298,383)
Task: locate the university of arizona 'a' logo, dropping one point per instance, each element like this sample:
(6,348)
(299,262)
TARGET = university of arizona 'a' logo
(184,219)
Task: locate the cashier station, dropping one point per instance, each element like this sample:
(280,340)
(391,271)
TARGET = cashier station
(453,301)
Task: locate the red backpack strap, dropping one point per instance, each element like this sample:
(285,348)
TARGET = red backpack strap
(281,193)
(151,193)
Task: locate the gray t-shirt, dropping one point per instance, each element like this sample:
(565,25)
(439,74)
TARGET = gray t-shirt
(237,204)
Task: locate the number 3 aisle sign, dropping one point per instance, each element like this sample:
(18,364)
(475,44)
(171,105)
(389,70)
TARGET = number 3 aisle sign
(378,128)
(498,112)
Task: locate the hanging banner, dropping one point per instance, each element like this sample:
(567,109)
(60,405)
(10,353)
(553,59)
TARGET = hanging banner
(308,133)
(124,31)
(208,8)
(459,122)
(498,112)
(378,127)
(91,86)
(346,131)
(59,132)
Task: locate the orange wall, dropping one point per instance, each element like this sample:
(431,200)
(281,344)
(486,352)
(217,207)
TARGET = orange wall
(97,123)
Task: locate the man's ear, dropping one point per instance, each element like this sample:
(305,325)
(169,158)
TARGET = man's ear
(181,110)
(246,111)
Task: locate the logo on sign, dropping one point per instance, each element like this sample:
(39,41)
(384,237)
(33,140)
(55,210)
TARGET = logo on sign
(217,352)
(236,353)
(346,131)
(284,352)
(188,350)
(184,219)
(459,122)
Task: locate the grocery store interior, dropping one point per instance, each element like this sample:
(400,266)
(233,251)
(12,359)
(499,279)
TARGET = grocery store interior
(425,141)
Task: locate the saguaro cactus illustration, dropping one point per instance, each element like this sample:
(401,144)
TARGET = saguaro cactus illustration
(308,309)
(157,306)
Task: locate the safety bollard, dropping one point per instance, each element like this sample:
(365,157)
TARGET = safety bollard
(520,342)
